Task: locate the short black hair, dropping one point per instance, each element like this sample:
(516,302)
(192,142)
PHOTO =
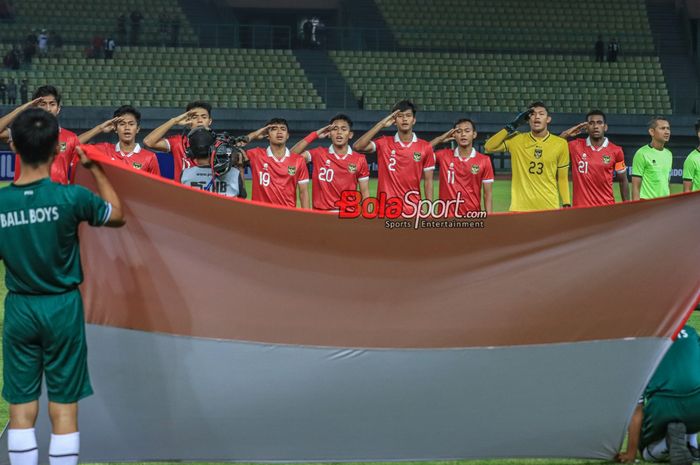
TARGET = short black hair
(697,126)
(199,104)
(47,91)
(655,121)
(281,121)
(538,104)
(128,110)
(405,105)
(465,120)
(341,117)
(35,136)
(597,113)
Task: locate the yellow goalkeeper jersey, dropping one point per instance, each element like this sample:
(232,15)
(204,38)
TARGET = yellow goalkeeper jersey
(536,163)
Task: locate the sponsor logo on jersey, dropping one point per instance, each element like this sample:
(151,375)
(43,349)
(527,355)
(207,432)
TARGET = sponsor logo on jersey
(265,166)
(475,169)
(138,166)
(584,156)
(352,168)
(416,156)
(63,146)
(538,152)
(292,170)
(606,159)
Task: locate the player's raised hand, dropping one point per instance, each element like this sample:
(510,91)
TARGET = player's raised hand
(574,131)
(260,133)
(449,136)
(184,119)
(324,132)
(626,457)
(33,103)
(391,119)
(110,125)
(519,120)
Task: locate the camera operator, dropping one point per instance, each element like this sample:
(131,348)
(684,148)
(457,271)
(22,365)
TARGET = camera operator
(217,163)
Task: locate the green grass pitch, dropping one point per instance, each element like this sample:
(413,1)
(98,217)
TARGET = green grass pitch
(501,201)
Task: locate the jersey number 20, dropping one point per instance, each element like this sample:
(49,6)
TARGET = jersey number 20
(326,174)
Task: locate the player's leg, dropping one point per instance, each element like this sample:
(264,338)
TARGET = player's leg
(65,438)
(67,378)
(22,368)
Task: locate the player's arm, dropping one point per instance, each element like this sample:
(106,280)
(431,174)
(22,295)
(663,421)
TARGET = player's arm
(633,434)
(5,136)
(496,143)
(563,162)
(574,130)
(364,143)
(488,196)
(300,147)
(304,197)
(105,190)
(624,184)
(102,128)
(428,183)
(7,120)
(364,188)
(444,137)
(688,173)
(638,165)
(156,138)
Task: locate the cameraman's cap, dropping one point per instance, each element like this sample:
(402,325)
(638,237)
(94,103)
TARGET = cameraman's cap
(201,139)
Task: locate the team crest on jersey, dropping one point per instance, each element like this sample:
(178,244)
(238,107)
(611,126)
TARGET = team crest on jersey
(606,159)
(292,170)
(63,146)
(138,166)
(416,156)
(538,152)
(352,168)
(475,169)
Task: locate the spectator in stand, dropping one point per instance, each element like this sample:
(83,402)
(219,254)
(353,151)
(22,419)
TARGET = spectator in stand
(23,92)
(43,42)
(3,92)
(174,31)
(4,9)
(121,28)
(308,29)
(16,57)
(135,18)
(110,47)
(163,21)
(600,50)
(12,92)
(97,46)
(55,43)
(29,50)
(613,50)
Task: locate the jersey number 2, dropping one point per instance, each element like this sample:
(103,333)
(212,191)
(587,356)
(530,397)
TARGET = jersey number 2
(392,164)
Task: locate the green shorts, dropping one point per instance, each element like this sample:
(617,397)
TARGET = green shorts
(660,410)
(45,334)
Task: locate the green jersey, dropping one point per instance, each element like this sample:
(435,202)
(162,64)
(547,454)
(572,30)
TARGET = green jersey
(39,234)
(691,170)
(654,167)
(679,371)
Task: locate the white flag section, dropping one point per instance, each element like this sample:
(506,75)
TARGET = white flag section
(220,330)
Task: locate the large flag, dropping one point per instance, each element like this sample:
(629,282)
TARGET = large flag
(225,330)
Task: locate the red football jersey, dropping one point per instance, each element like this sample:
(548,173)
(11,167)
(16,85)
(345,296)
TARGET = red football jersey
(592,170)
(62,168)
(334,174)
(176,146)
(402,165)
(275,181)
(139,159)
(465,176)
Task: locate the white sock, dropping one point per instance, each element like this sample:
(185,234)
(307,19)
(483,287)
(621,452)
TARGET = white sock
(64,449)
(22,446)
(656,452)
(692,440)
